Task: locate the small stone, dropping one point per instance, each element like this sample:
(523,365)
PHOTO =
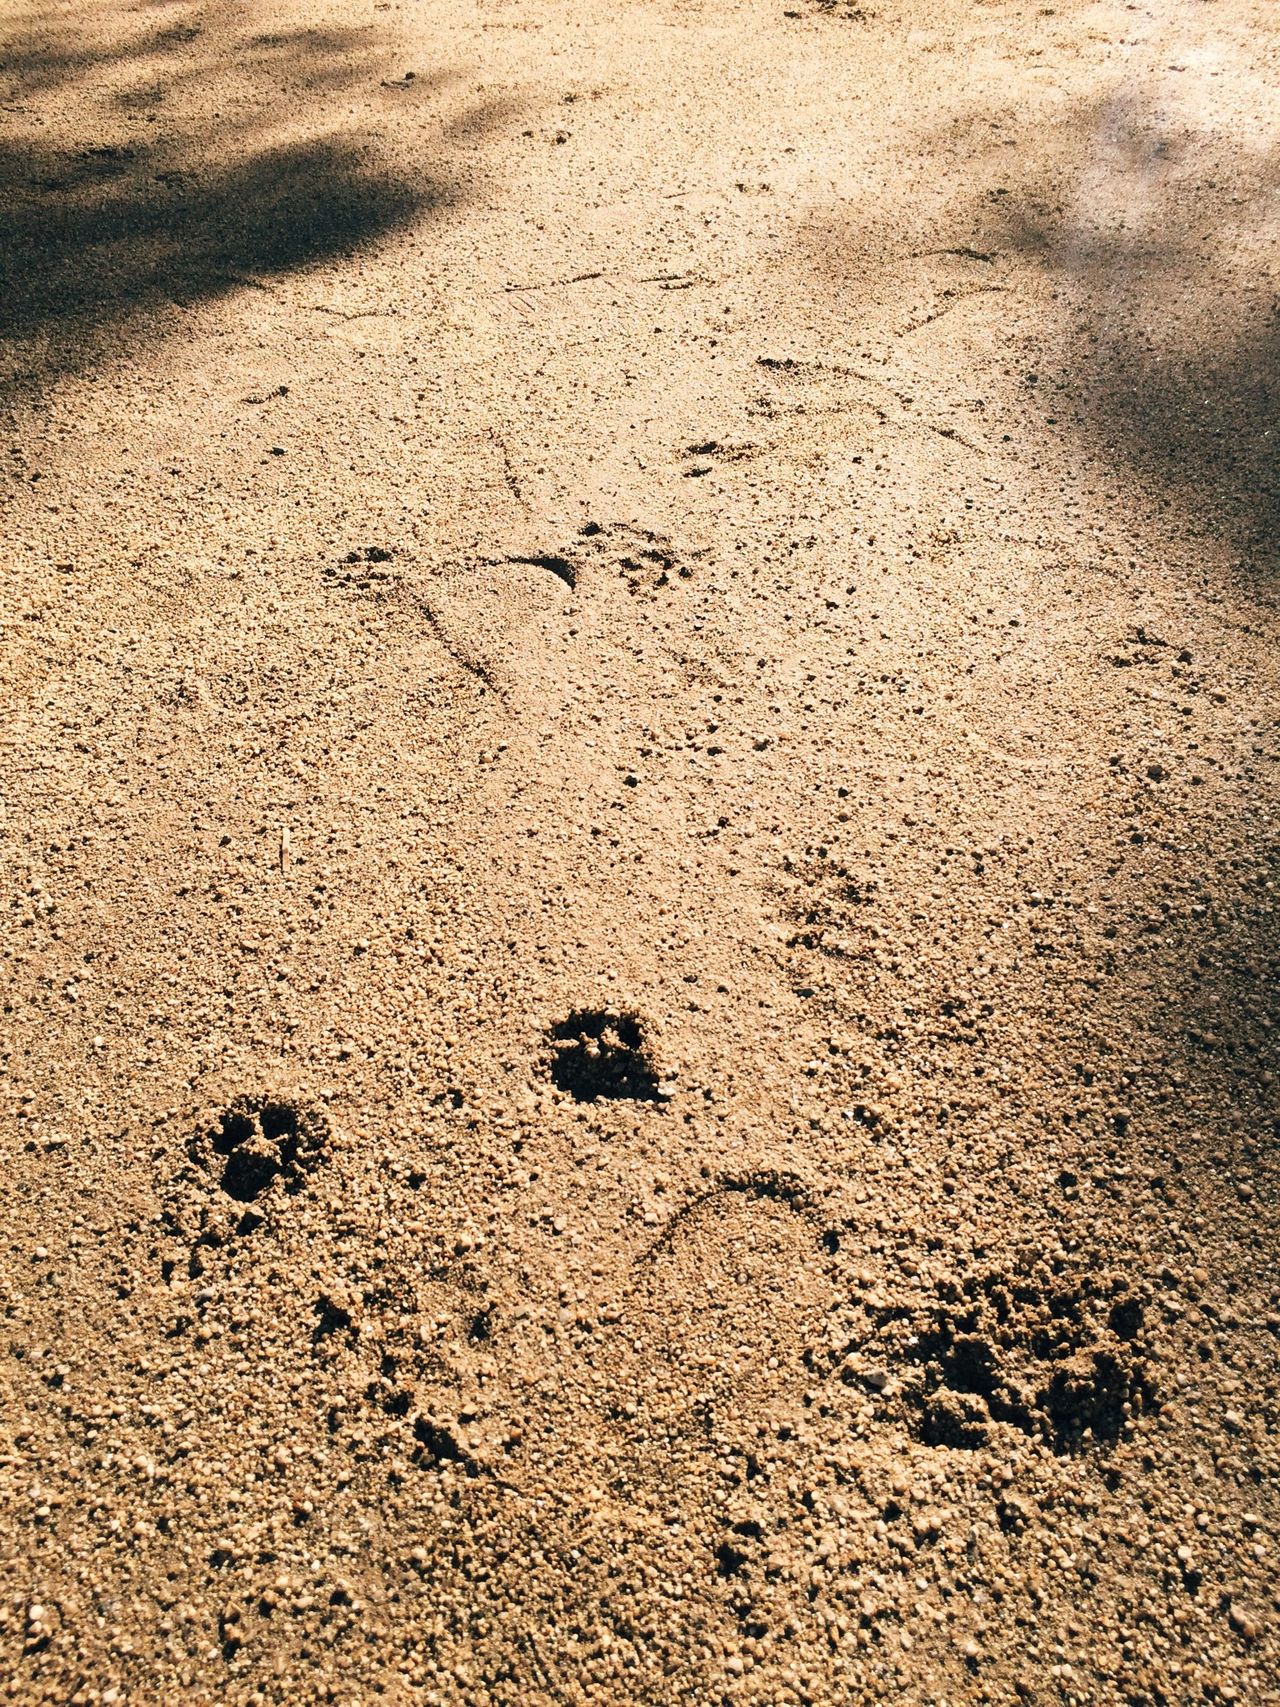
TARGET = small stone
(1242,1621)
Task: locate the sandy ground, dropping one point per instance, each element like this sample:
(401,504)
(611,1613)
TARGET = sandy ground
(639,856)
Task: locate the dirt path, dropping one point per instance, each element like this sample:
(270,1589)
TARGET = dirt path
(638,782)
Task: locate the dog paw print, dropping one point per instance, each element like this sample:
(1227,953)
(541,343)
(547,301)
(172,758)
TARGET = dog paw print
(262,1144)
(601,1053)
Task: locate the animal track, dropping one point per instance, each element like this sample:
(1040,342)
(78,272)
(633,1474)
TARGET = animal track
(649,567)
(710,451)
(827,904)
(502,620)
(498,619)
(363,570)
(847,10)
(648,561)
(531,628)
(723,1301)
(1056,1357)
(759,1184)
(259,1142)
(560,567)
(600,1053)
(257,1151)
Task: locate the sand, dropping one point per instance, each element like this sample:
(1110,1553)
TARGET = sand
(638,789)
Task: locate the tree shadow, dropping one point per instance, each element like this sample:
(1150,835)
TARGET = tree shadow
(103,234)
(1156,235)
(1143,246)
(1157,341)
(179,162)
(1169,352)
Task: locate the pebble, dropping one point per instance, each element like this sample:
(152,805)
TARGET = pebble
(1243,1621)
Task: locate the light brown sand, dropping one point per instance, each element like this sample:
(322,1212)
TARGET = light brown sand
(638,779)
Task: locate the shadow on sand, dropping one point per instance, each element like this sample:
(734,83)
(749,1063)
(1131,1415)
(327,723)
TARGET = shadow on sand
(185,161)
